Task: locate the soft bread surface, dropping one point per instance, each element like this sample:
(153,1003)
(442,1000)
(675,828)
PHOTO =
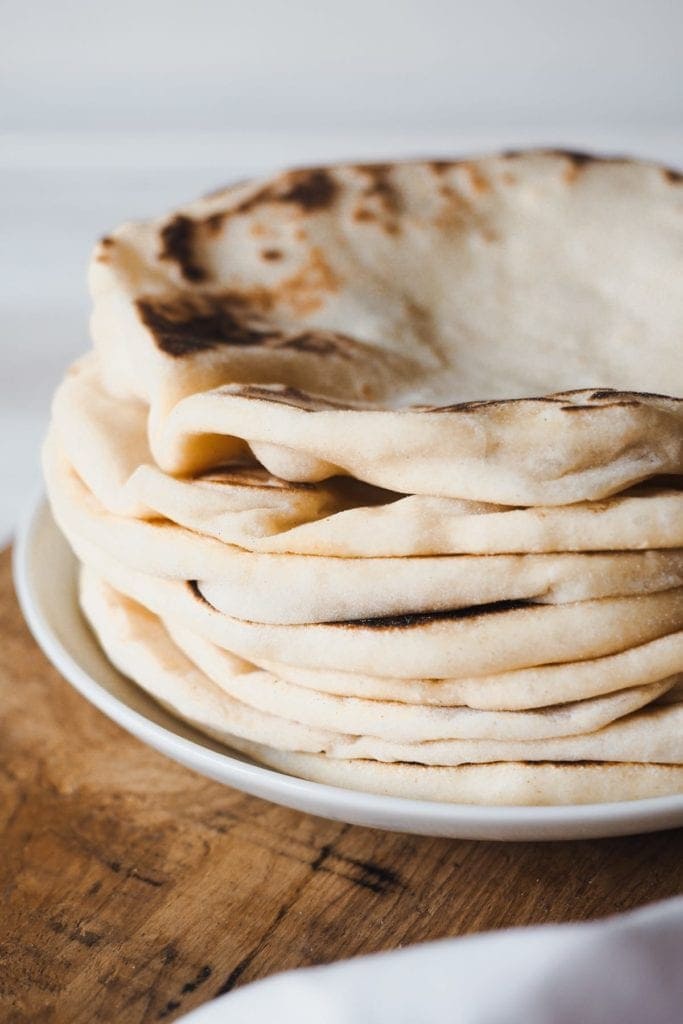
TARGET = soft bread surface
(287,589)
(105,440)
(137,642)
(502,330)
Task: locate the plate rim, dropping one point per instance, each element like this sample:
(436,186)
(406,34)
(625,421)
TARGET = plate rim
(567,821)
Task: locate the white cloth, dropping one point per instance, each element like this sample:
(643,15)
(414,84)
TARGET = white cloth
(623,970)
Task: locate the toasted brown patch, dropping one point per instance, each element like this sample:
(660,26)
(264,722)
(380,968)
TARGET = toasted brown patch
(283,394)
(461,211)
(177,245)
(311,190)
(612,393)
(602,405)
(482,403)
(575,156)
(214,223)
(196,593)
(381,185)
(187,323)
(413,619)
(442,166)
(381,193)
(271,254)
(305,291)
(478,182)
(251,476)
(104,248)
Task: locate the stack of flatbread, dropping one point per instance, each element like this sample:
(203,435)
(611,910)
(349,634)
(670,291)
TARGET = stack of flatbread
(376,474)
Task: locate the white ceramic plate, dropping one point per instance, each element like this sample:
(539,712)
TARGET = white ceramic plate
(45,578)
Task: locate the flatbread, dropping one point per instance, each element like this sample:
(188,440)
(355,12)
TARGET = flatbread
(405,723)
(137,643)
(520,783)
(507,691)
(485,640)
(421,327)
(376,474)
(249,507)
(304,588)
(105,440)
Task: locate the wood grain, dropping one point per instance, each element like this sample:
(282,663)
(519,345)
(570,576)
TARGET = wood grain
(133,890)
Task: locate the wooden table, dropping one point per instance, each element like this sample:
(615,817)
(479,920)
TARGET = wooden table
(133,890)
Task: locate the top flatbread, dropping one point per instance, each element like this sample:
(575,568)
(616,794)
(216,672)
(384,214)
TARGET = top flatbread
(500,330)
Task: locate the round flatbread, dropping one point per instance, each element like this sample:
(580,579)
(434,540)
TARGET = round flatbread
(405,723)
(507,691)
(519,783)
(289,589)
(137,643)
(485,640)
(105,440)
(421,327)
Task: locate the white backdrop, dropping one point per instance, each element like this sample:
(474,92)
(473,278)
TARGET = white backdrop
(115,110)
(408,64)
